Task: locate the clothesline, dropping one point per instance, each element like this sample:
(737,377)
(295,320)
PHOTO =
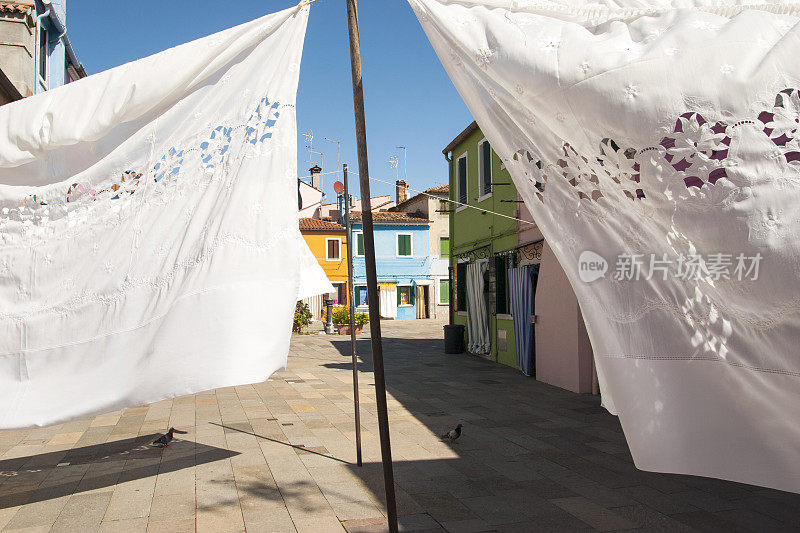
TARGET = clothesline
(460,204)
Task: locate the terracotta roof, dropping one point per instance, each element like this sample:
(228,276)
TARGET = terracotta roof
(439,189)
(460,138)
(315,224)
(11,6)
(392,217)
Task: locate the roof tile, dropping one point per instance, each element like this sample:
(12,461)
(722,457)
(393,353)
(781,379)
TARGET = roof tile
(393,217)
(315,224)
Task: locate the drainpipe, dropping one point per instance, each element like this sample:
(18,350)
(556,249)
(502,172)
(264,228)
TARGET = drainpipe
(39,20)
(450,277)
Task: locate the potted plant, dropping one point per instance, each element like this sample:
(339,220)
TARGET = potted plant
(341,319)
(302,317)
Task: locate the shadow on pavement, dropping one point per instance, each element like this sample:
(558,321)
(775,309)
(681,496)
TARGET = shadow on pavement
(46,476)
(531,453)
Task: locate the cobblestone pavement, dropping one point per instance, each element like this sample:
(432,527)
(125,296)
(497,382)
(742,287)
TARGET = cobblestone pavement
(279,456)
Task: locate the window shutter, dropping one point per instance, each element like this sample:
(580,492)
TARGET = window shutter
(399,290)
(444,247)
(360,244)
(486,171)
(404,245)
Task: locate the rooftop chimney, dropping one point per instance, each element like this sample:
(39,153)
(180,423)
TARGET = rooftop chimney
(316,177)
(402,191)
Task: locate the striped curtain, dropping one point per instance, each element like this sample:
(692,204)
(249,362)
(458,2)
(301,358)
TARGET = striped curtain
(521,294)
(477,319)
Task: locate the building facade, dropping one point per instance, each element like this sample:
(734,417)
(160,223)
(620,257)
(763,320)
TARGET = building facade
(403,264)
(510,292)
(433,204)
(35,51)
(327,240)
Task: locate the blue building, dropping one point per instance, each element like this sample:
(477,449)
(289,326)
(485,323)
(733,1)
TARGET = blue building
(35,52)
(403,264)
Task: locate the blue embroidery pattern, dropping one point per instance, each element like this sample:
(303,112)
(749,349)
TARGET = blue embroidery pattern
(167,169)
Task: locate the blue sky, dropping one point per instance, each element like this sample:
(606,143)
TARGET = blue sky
(409,99)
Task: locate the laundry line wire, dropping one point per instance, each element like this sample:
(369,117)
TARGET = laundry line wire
(455,202)
(481,209)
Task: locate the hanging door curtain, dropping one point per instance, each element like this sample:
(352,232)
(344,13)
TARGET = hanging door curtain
(149,245)
(388,297)
(477,317)
(657,146)
(521,294)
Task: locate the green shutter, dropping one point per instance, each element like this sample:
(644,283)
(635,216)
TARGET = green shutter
(404,245)
(398,295)
(359,244)
(444,247)
(444,291)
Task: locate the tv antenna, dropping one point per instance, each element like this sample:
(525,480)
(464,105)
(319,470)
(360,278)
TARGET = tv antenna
(393,164)
(405,161)
(338,155)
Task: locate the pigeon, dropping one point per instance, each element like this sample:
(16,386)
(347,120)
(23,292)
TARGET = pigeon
(453,434)
(164,440)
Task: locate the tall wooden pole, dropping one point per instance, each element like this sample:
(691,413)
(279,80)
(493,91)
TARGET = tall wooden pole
(369,260)
(351,295)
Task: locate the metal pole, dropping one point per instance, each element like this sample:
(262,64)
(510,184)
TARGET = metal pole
(352,296)
(369,260)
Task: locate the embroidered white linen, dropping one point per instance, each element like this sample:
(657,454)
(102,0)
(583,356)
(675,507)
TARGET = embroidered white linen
(662,137)
(149,244)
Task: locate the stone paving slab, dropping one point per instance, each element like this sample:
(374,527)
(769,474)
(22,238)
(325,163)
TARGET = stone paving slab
(279,456)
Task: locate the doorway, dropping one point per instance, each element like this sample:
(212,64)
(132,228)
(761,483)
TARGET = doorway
(423,301)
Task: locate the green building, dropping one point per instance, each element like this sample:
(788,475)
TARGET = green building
(479,180)
(501,263)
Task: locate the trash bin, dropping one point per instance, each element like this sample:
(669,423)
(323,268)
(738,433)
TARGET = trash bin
(454,338)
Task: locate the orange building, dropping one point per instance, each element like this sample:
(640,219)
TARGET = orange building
(328,242)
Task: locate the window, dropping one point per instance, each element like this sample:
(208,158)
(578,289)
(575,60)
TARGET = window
(444,246)
(405,295)
(404,245)
(361,295)
(461,170)
(43,54)
(333,249)
(485,167)
(444,291)
(501,291)
(461,286)
(444,206)
(359,244)
(340,296)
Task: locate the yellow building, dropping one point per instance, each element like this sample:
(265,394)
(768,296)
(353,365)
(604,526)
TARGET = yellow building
(328,242)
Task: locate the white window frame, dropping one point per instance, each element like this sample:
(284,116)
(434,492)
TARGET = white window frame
(355,243)
(458,184)
(339,240)
(410,293)
(397,244)
(481,195)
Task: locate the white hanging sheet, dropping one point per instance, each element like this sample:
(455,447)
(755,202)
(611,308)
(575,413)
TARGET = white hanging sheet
(149,245)
(657,146)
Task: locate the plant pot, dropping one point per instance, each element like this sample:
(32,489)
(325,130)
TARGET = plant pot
(344,329)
